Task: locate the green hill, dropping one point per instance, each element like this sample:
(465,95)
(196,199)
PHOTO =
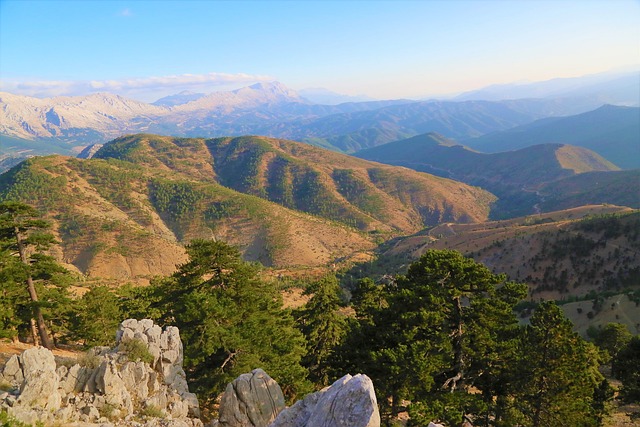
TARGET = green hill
(353,131)
(126,213)
(611,131)
(513,176)
(617,188)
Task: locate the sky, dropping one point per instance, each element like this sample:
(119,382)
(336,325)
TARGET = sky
(382,49)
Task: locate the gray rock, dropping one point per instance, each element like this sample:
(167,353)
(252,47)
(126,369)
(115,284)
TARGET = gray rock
(12,372)
(116,384)
(348,402)
(110,383)
(40,386)
(251,400)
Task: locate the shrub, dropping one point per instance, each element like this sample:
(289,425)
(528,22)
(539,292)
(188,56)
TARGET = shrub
(151,411)
(89,360)
(136,350)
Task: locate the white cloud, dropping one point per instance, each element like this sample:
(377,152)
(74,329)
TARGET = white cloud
(126,12)
(149,88)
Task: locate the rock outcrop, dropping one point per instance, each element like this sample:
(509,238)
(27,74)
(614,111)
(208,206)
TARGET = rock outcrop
(350,401)
(255,400)
(141,378)
(251,400)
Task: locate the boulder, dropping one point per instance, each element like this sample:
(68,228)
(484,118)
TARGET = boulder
(12,372)
(39,388)
(107,386)
(251,400)
(350,401)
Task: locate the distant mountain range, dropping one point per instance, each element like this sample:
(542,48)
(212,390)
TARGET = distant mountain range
(67,124)
(515,176)
(611,131)
(327,97)
(179,98)
(609,88)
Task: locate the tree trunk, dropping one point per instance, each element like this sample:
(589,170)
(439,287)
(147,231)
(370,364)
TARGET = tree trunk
(34,331)
(458,374)
(42,329)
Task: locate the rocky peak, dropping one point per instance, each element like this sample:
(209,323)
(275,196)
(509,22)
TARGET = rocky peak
(143,374)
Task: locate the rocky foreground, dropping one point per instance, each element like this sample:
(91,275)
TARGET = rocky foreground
(141,382)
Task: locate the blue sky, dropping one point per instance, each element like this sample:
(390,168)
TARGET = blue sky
(382,49)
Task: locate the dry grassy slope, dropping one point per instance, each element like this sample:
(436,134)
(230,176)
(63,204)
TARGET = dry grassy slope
(615,309)
(527,167)
(111,225)
(537,249)
(365,194)
(614,187)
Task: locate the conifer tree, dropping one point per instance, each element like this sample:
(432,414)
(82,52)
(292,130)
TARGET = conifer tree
(23,234)
(322,325)
(232,321)
(627,362)
(97,317)
(429,336)
(558,373)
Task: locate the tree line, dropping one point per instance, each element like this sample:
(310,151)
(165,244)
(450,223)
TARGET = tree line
(441,342)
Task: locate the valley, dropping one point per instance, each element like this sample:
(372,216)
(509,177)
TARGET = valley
(363,212)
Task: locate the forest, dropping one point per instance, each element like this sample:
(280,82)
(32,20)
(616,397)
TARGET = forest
(441,342)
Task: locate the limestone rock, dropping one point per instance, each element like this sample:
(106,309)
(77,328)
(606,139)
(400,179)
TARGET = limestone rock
(251,400)
(350,401)
(40,386)
(12,372)
(108,386)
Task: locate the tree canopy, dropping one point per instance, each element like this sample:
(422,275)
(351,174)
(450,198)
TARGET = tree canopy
(232,321)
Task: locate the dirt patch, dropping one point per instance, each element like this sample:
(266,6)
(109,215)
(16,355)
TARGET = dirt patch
(8,349)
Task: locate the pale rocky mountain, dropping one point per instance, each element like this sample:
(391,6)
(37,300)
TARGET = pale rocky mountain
(102,116)
(89,151)
(179,98)
(74,118)
(246,97)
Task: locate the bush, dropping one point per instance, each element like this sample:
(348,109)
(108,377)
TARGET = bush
(151,411)
(136,350)
(89,360)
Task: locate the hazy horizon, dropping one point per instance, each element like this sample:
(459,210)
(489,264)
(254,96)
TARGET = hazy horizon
(384,50)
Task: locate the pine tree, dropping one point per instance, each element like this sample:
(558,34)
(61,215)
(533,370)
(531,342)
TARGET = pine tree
(97,316)
(429,336)
(558,372)
(627,363)
(23,234)
(232,321)
(322,325)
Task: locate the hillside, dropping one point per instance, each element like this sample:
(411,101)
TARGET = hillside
(558,254)
(120,221)
(513,176)
(617,188)
(355,131)
(356,192)
(126,212)
(611,131)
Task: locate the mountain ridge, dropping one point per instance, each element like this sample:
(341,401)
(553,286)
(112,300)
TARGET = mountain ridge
(509,175)
(125,213)
(611,131)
